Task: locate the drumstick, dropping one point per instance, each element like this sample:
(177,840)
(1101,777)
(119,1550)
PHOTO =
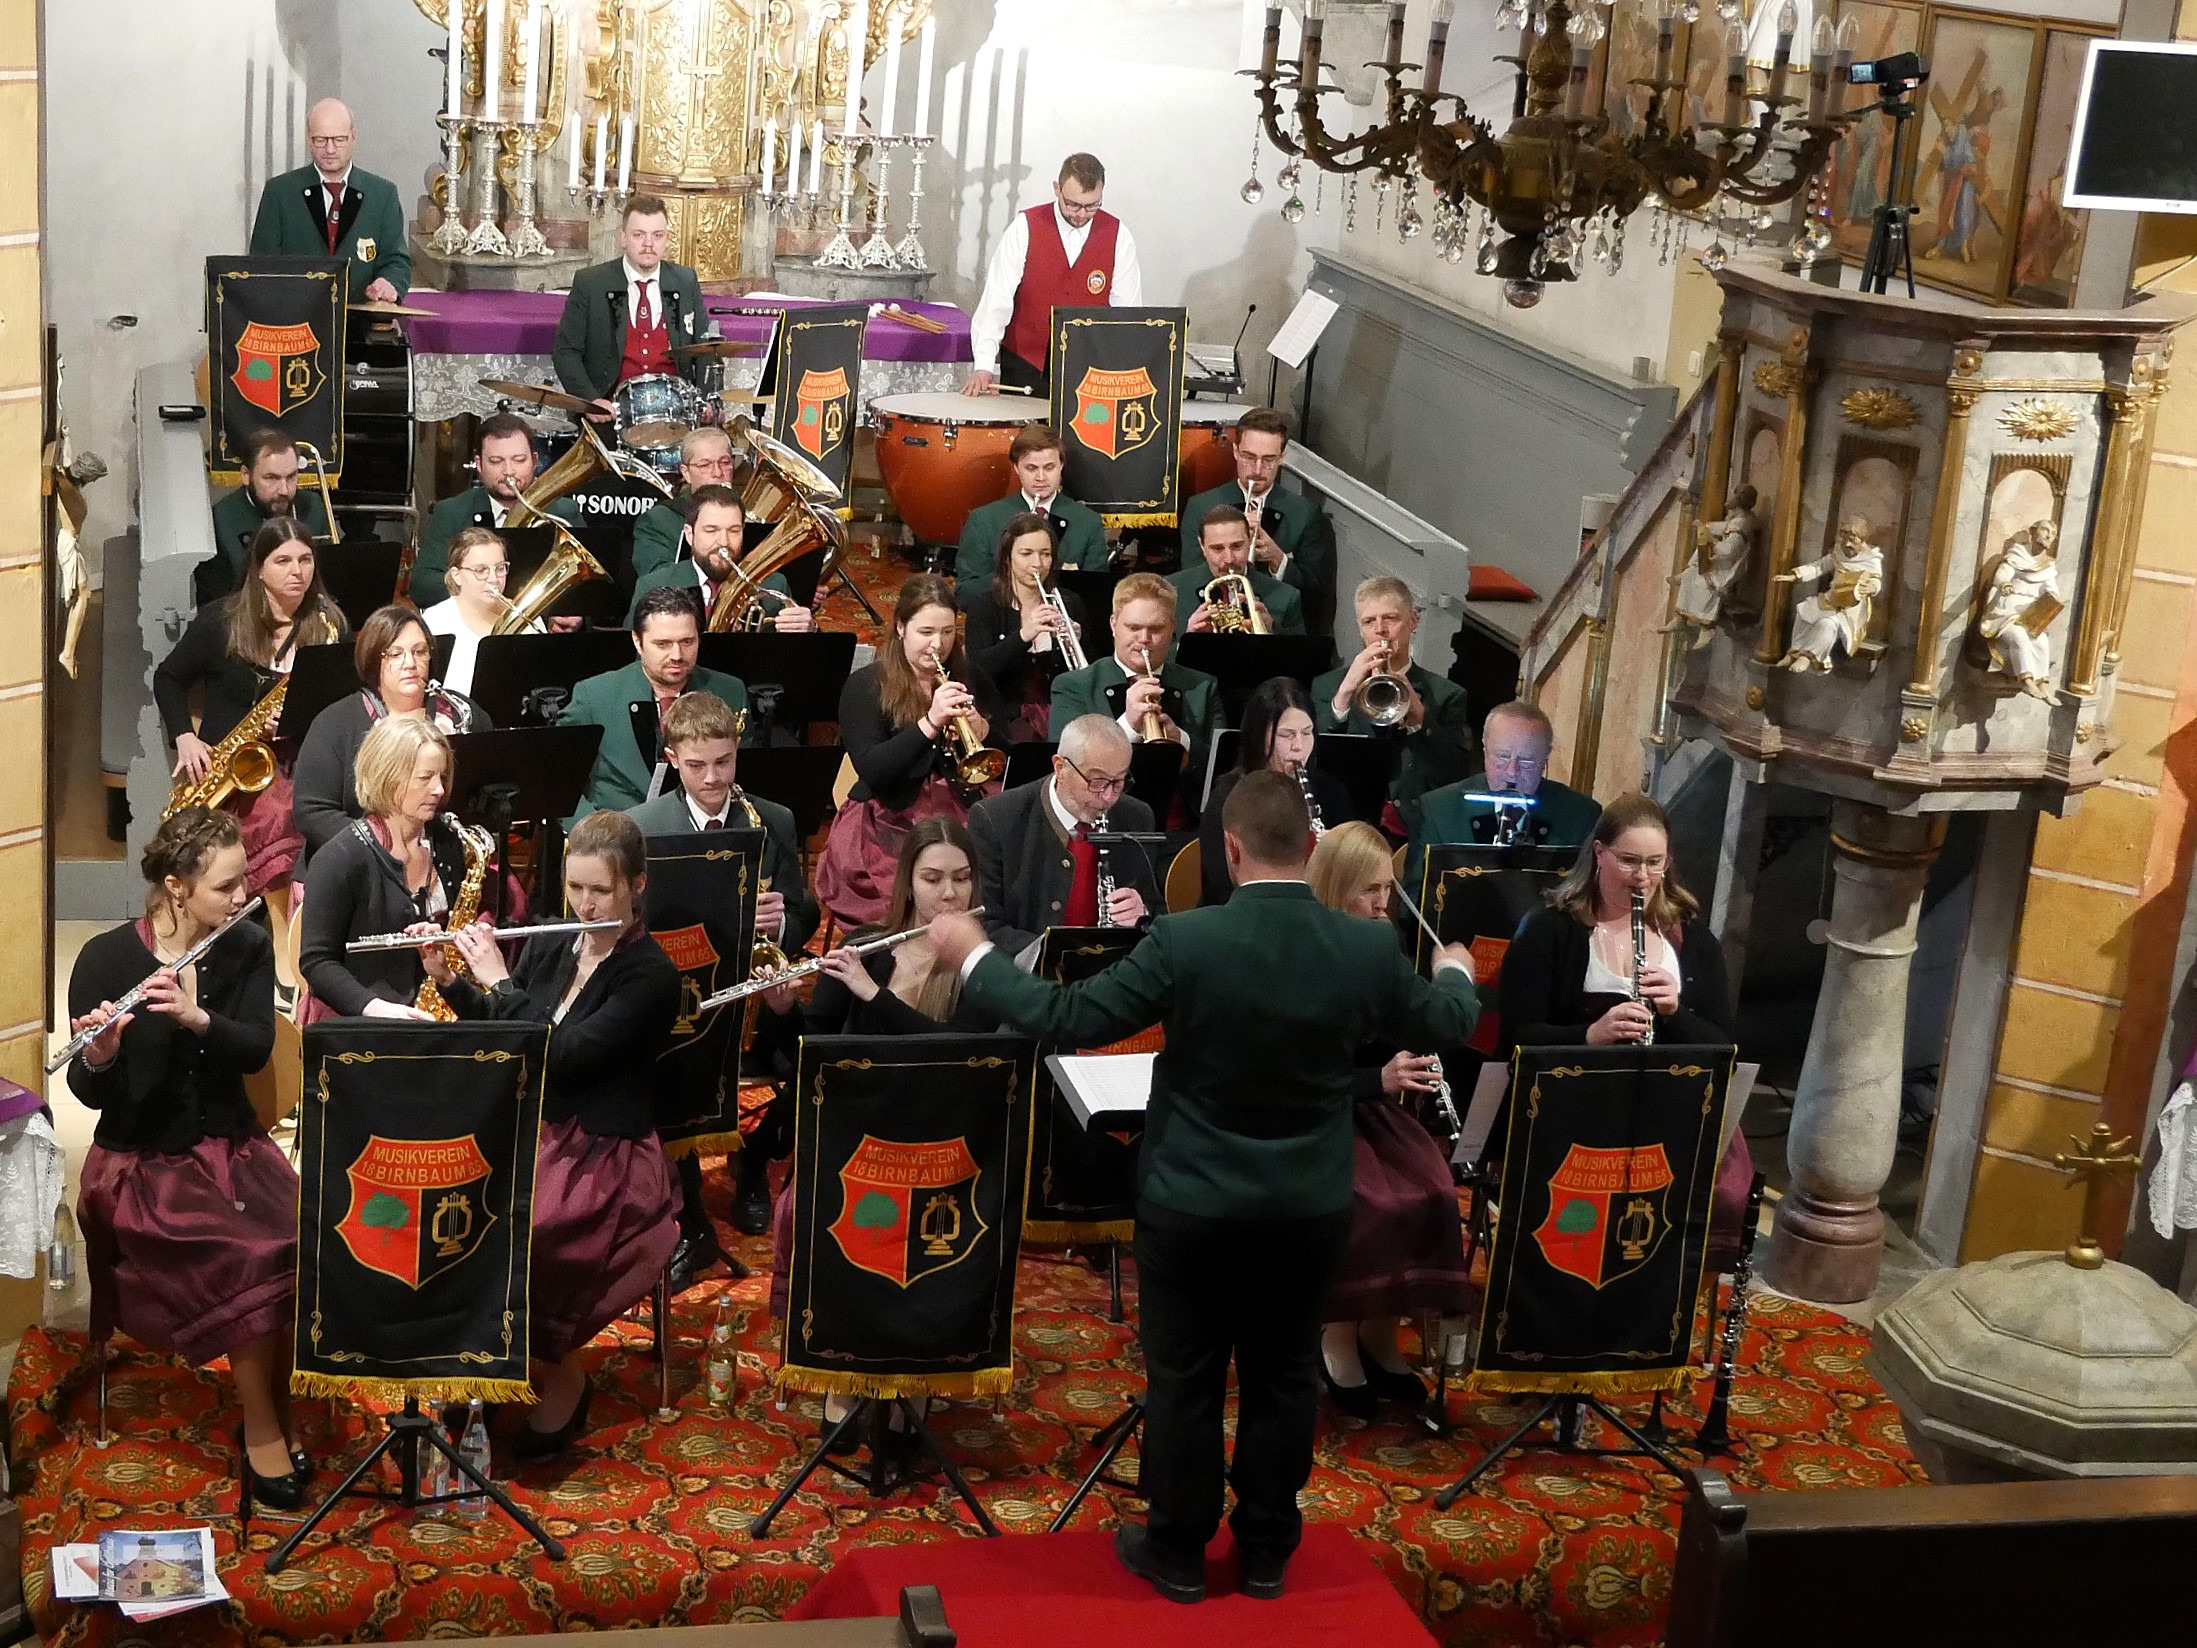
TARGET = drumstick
(1012,389)
(908,317)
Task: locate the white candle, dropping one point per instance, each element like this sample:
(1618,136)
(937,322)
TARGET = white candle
(770,154)
(892,73)
(492,47)
(793,154)
(625,155)
(454,73)
(858,41)
(816,157)
(923,77)
(572,146)
(530,41)
(602,147)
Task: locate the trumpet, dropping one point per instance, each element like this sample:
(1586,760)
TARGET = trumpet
(811,967)
(1068,641)
(1232,607)
(311,454)
(1154,731)
(1384,697)
(136,993)
(974,765)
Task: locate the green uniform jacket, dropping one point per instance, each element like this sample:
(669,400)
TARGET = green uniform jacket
(1445,817)
(1283,603)
(292,222)
(236,519)
(1291,519)
(620,779)
(1434,754)
(656,538)
(451,517)
(1082,541)
(685,575)
(591,333)
(1083,692)
(1265,1001)
(668,815)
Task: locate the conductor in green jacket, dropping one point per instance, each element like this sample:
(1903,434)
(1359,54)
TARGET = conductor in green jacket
(623,319)
(335,209)
(1244,1176)
(1036,459)
(667,639)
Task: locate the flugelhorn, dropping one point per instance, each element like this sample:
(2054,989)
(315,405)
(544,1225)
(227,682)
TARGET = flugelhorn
(1232,607)
(1383,698)
(1154,731)
(975,764)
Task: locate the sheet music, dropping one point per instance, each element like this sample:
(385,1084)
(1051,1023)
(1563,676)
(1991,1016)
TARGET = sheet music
(1103,1084)
(1303,328)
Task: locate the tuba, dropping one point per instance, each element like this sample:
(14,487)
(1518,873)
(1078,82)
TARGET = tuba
(1384,697)
(243,763)
(1234,608)
(569,564)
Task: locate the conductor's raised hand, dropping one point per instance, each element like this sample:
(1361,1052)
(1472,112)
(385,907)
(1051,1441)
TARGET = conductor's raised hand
(954,936)
(1460,954)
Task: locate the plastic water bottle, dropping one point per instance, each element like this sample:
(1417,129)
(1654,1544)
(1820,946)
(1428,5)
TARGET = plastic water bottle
(436,1476)
(474,1505)
(722,1365)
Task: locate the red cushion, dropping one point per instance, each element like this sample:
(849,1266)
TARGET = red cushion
(1491,583)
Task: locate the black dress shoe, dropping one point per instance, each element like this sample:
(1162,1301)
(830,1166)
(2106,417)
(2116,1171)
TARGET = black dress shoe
(751,1193)
(1391,1386)
(1133,1545)
(1260,1574)
(301,1462)
(691,1258)
(533,1446)
(280,1493)
(1357,1401)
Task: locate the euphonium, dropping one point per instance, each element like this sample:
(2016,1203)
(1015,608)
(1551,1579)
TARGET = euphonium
(1233,607)
(568,564)
(243,763)
(480,852)
(311,454)
(975,765)
(1383,698)
(739,603)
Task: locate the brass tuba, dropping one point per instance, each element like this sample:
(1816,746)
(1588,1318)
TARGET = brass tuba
(1384,697)
(568,563)
(803,529)
(243,763)
(1234,608)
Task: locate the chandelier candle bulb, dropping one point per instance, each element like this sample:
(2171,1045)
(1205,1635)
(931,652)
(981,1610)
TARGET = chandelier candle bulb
(1575,90)
(1788,25)
(1437,46)
(858,40)
(1666,30)
(1395,58)
(1819,66)
(492,63)
(892,74)
(770,156)
(1270,40)
(1312,26)
(1849,41)
(926,50)
(1735,73)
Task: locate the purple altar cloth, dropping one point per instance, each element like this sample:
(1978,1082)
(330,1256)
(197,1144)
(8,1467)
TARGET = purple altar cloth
(525,323)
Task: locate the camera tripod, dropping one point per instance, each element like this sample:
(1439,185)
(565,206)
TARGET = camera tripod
(1891,250)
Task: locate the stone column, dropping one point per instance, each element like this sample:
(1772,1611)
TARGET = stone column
(1828,1237)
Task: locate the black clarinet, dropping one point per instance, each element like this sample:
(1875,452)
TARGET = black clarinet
(1640,959)
(1716,1435)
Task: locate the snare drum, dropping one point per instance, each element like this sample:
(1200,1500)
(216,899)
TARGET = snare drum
(1208,457)
(942,455)
(657,411)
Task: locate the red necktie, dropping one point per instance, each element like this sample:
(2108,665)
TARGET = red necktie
(644,313)
(1083,889)
(714,824)
(335,219)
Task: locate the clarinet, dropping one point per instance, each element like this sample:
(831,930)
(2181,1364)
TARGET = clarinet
(1715,1433)
(1445,1105)
(1640,958)
(1105,875)
(1311,804)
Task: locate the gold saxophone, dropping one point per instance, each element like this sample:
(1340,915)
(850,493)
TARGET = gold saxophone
(764,955)
(243,763)
(480,850)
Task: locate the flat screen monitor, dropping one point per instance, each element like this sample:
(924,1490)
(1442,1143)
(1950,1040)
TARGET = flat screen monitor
(2135,145)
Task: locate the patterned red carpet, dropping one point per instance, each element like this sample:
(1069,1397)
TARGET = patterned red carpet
(1554,1551)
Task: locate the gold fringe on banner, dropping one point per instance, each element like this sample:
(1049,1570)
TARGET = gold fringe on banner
(303,1383)
(1157,517)
(1499,1382)
(704,1144)
(993,1382)
(1068,1233)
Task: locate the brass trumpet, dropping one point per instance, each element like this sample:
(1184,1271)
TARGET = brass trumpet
(975,765)
(1154,731)
(1384,697)
(1232,606)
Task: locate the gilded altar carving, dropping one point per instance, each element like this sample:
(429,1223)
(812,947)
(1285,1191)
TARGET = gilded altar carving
(1777,379)
(1875,407)
(2035,419)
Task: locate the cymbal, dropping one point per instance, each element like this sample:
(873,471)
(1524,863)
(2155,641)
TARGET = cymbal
(538,395)
(718,348)
(374,306)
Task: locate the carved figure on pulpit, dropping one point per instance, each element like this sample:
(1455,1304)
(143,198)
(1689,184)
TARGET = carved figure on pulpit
(1721,552)
(1851,577)
(2021,597)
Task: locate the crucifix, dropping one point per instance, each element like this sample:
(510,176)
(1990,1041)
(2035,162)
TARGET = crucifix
(2096,1160)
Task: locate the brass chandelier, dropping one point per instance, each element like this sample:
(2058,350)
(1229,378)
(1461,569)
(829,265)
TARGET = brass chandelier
(1559,182)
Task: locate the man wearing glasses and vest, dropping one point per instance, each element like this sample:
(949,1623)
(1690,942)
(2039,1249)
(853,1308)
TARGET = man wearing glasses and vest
(1068,254)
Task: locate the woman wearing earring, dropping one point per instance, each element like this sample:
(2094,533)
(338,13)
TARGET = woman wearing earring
(189,1211)
(1277,736)
(1017,636)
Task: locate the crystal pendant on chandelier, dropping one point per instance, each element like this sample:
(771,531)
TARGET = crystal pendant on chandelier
(1408,221)
(1293,209)
(1253,190)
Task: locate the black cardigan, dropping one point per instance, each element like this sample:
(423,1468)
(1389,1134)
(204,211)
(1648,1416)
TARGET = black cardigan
(1214,884)
(202,658)
(993,636)
(168,1089)
(892,762)
(325,795)
(354,887)
(1545,1003)
(834,1009)
(602,1054)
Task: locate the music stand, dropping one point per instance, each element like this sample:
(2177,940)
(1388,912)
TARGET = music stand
(537,774)
(360,575)
(791,680)
(1154,772)
(328,671)
(1028,762)
(611,542)
(1363,763)
(1240,662)
(509,669)
(799,777)
(1096,591)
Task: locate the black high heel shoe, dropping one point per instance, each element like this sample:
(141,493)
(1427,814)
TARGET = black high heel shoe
(277,1493)
(1355,1401)
(533,1446)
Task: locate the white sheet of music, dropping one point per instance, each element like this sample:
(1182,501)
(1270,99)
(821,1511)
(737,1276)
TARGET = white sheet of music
(1302,329)
(1103,1084)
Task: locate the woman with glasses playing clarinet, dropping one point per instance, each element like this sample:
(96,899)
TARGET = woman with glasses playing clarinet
(1016,636)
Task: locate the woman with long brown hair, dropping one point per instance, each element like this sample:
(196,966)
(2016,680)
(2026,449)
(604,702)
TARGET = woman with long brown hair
(896,719)
(1017,636)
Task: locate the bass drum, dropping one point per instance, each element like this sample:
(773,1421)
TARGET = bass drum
(1207,457)
(655,413)
(943,454)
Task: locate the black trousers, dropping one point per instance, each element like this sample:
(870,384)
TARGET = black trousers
(1210,1291)
(1017,373)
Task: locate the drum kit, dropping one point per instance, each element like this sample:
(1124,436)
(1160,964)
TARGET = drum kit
(655,411)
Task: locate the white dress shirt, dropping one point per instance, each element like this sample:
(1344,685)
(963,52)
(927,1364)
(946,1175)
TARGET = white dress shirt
(702,821)
(1068,821)
(442,619)
(1003,278)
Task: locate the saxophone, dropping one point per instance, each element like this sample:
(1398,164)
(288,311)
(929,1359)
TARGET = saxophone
(243,763)
(480,852)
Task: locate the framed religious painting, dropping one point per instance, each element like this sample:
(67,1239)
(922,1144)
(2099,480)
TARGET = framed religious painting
(1628,56)
(1974,127)
(1861,165)
(2048,237)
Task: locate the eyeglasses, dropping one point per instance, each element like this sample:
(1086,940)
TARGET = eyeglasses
(1634,864)
(330,142)
(407,655)
(711,466)
(1099,783)
(487,574)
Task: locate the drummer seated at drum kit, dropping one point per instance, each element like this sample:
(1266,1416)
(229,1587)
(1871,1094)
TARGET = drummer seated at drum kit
(713,538)
(705,459)
(1224,542)
(623,319)
(1036,459)
(503,458)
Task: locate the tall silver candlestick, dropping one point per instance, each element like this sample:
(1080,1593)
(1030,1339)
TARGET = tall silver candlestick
(909,253)
(877,251)
(487,240)
(449,240)
(526,239)
(840,254)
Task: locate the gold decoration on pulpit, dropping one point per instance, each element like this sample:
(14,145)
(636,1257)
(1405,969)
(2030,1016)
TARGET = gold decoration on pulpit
(1914,729)
(1875,407)
(2035,419)
(2096,1160)
(1777,379)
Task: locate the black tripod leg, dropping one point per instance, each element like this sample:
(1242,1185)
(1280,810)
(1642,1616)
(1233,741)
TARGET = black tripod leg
(1113,1277)
(929,1444)
(374,1455)
(434,1437)
(1640,1441)
(1110,1442)
(854,589)
(1463,1485)
(760,1527)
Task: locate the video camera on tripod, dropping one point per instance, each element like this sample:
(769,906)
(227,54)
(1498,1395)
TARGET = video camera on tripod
(1890,250)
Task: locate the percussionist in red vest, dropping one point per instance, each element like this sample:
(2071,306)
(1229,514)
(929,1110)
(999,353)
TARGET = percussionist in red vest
(1068,254)
(623,319)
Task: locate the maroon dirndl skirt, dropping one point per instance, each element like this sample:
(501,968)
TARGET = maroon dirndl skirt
(273,843)
(854,874)
(194,1254)
(606,1217)
(1406,1253)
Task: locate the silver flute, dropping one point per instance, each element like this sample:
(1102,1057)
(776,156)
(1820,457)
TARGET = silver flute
(1640,958)
(815,964)
(1311,804)
(443,935)
(1105,875)
(136,993)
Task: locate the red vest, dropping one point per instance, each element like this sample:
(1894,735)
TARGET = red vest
(1049,281)
(648,351)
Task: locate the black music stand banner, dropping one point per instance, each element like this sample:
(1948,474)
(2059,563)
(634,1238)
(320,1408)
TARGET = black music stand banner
(1608,1172)
(702,888)
(817,372)
(1083,1185)
(275,330)
(1116,377)
(911,1159)
(416,1148)
(1476,896)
